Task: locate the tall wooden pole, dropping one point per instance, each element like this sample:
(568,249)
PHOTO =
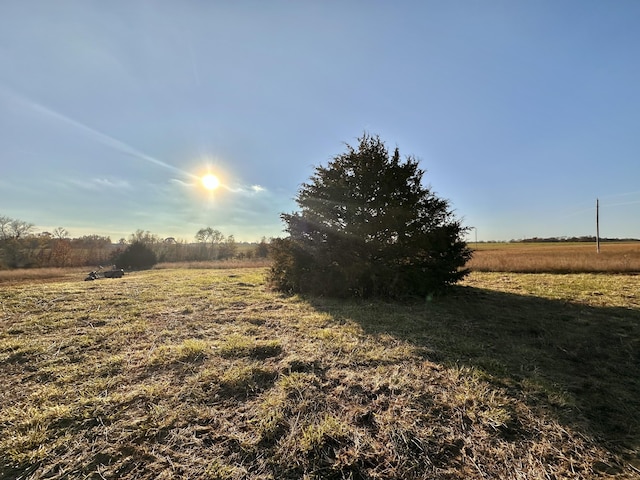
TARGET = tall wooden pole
(597,225)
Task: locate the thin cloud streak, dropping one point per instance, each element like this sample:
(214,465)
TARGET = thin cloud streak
(619,204)
(244,190)
(95,134)
(101,183)
(626,194)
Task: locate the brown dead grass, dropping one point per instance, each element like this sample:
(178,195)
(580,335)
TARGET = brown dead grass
(192,373)
(27,275)
(556,258)
(218,264)
(22,275)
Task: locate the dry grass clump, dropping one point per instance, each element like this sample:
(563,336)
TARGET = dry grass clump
(193,373)
(556,258)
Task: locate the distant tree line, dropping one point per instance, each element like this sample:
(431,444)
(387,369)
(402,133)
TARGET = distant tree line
(22,247)
(584,238)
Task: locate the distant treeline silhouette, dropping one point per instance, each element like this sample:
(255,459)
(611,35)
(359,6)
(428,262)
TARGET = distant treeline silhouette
(584,238)
(21,247)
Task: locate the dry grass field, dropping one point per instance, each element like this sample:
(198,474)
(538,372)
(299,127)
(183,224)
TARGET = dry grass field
(41,274)
(556,257)
(206,374)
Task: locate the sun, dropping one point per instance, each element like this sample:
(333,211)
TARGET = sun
(210,181)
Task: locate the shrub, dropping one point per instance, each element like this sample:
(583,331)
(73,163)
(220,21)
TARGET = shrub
(368,227)
(136,256)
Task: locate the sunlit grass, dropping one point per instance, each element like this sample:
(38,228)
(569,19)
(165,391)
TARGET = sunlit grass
(555,257)
(206,373)
(41,274)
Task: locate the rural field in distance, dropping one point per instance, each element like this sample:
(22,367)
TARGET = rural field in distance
(556,257)
(528,369)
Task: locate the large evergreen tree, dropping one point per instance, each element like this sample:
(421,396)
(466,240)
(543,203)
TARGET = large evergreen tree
(368,227)
(138,256)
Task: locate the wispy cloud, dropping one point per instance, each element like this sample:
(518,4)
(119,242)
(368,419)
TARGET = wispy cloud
(624,194)
(100,183)
(620,204)
(98,136)
(242,190)
(112,183)
(182,183)
(250,190)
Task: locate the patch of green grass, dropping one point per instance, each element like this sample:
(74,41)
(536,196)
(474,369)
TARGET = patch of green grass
(188,351)
(218,470)
(246,379)
(244,346)
(320,437)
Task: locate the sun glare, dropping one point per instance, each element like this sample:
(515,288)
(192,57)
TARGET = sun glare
(210,182)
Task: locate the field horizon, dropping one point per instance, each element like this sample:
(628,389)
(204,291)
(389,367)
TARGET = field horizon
(555,257)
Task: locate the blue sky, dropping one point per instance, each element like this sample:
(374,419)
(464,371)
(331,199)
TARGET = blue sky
(521,112)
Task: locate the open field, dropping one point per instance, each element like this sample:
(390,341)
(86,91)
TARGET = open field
(202,373)
(557,257)
(23,275)
(26,275)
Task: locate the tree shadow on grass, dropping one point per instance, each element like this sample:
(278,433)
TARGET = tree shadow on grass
(579,363)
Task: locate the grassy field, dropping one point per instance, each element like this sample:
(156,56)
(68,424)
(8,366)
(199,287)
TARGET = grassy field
(205,373)
(558,257)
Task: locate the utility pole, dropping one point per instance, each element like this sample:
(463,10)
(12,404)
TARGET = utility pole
(597,225)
